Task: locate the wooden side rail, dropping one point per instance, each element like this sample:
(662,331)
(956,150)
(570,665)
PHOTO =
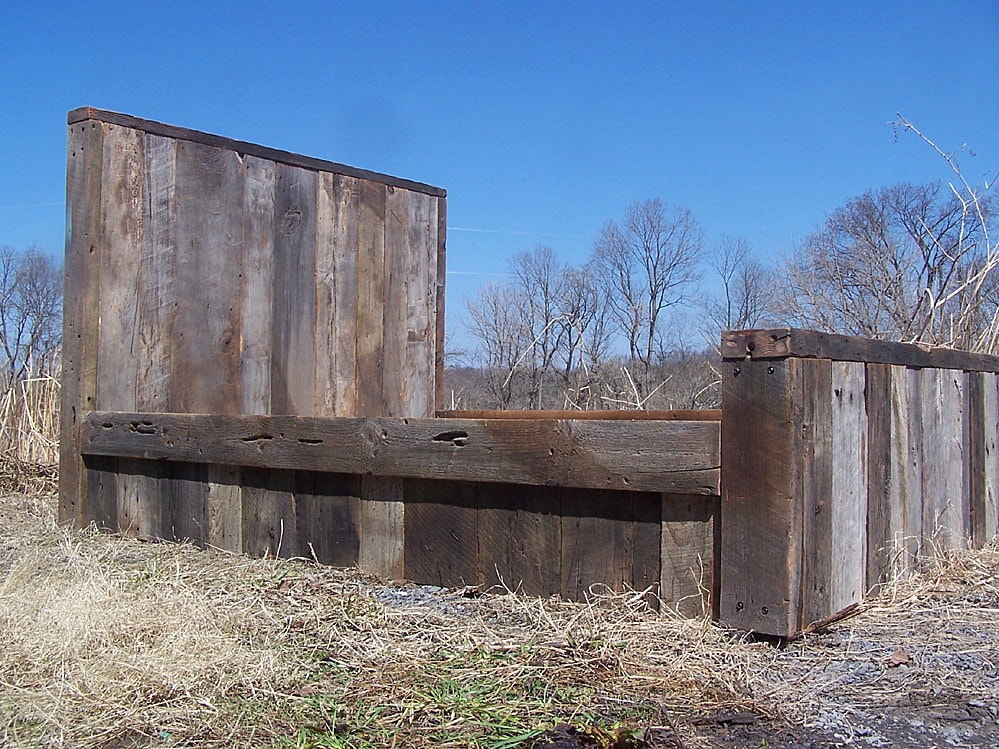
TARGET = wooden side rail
(656,456)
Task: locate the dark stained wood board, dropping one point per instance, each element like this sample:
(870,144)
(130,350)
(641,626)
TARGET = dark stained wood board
(84,242)
(761,534)
(689,550)
(91,114)
(669,456)
(442,532)
(779,343)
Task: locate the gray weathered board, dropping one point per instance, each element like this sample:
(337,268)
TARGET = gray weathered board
(845,462)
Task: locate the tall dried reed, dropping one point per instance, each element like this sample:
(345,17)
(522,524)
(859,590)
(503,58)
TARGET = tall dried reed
(29,433)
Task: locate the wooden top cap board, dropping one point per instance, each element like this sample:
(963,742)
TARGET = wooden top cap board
(284,157)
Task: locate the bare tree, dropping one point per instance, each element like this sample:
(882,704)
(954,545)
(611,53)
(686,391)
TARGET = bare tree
(649,265)
(495,322)
(30,312)
(892,264)
(745,298)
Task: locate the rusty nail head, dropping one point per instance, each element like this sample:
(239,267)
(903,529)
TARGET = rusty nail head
(770,370)
(740,606)
(764,611)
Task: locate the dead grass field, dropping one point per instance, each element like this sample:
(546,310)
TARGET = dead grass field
(111,642)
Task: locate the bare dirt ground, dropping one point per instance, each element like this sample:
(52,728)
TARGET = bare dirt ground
(111,642)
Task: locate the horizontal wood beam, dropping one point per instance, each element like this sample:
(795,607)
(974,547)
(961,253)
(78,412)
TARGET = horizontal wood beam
(615,415)
(660,456)
(242,147)
(784,343)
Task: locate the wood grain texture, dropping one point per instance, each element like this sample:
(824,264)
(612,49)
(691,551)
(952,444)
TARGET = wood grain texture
(421,306)
(82,115)
(438,301)
(383,529)
(257,300)
(520,537)
(946,518)
(671,456)
(156,277)
(84,241)
(206,324)
(138,491)
(293,357)
(269,517)
(441,535)
(395,372)
(974,455)
(688,574)
(761,533)
(881,520)
(225,508)
(781,343)
(329,517)
(991,499)
(184,502)
(101,502)
(371,284)
(344,269)
(848,579)
(122,201)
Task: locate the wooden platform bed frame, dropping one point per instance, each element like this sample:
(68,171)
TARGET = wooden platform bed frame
(253,355)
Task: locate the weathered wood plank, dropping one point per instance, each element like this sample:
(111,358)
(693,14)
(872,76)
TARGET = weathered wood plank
(101,482)
(441,536)
(974,455)
(343,267)
(421,311)
(269,519)
(83,114)
(813,487)
(672,456)
(395,372)
(371,284)
(156,277)
(520,537)
(293,358)
(687,576)
(881,432)
(329,517)
(848,580)
(946,520)
(762,527)
(84,242)
(122,200)
(908,456)
(383,529)
(209,249)
(991,408)
(598,540)
(438,301)
(139,507)
(258,287)
(779,343)
(629,415)
(225,508)
(184,502)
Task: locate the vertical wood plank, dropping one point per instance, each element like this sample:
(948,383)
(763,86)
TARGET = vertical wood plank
(329,517)
(421,314)
(598,533)
(345,297)
(269,517)
(81,296)
(991,409)
(880,436)
(206,326)
(382,526)
(813,406)
(441,538)
(688,535)
(156,276)
(848,581)
(139,513)
(395,372)
(293,368)
(122,203)
(101,482)
(907,412)
(762,526)
(946,519)
(438,302)
(974,455)
(225,508)
(520,537)
(184,502)
(257,301)
(370,299)
(332,315)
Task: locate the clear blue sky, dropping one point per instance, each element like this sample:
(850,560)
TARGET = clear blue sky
(542,120)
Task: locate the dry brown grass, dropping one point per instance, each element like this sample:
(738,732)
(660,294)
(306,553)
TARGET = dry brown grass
(106,641)
(29,434)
